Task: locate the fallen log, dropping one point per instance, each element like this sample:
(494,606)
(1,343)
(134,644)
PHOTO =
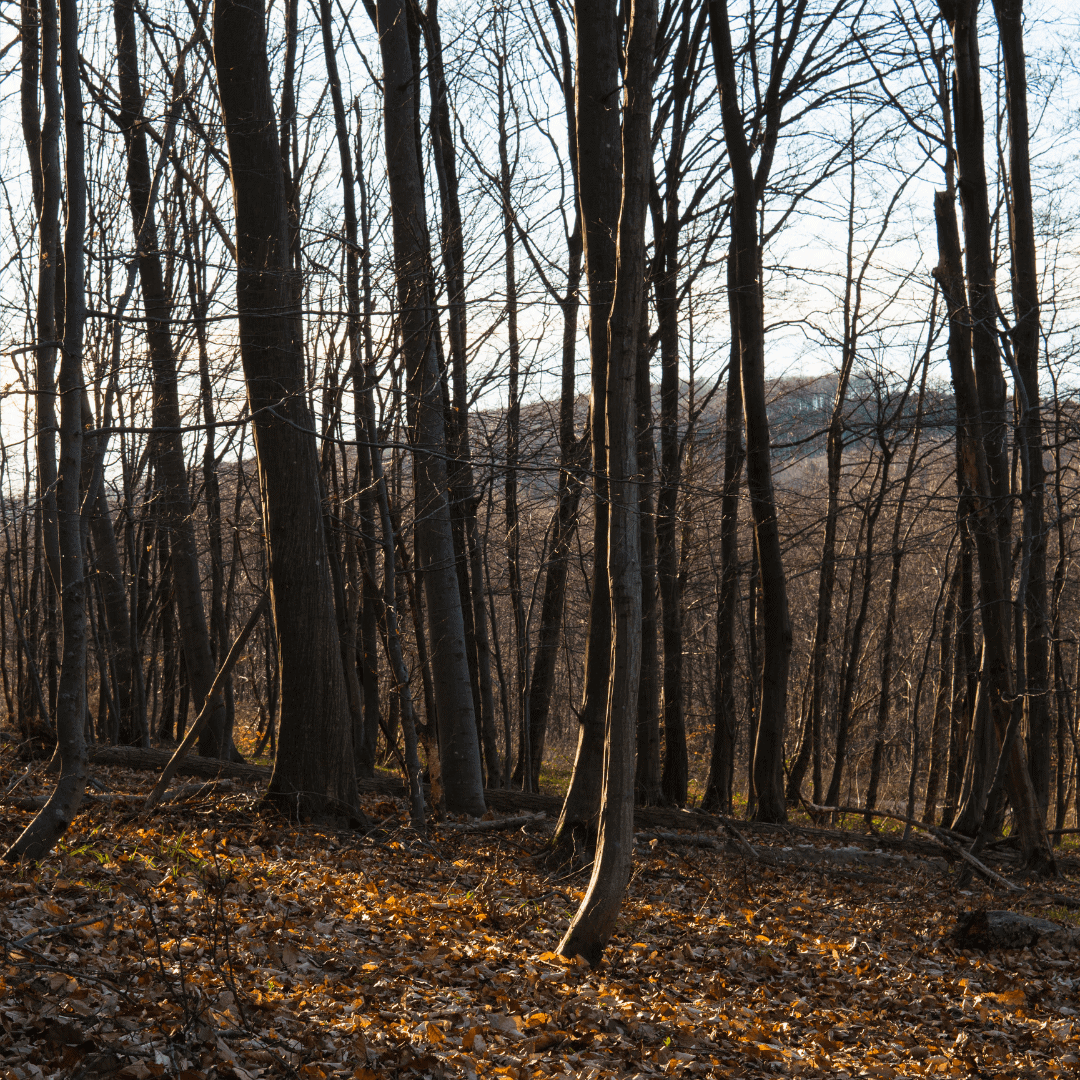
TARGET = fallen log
(984,930)
(150,760)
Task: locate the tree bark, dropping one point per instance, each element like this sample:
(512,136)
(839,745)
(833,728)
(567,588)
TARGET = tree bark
(598,149)
(768,750)
(54,818)
(1025,340)
(458,743)
(168,448)
(594,921)
(313,772)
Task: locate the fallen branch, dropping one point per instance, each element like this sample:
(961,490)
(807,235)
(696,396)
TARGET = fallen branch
(48,931)
(689,839)
(494,824)
(938,834)
(209,705)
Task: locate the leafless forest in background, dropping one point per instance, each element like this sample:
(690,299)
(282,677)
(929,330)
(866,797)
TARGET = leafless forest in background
(293,308)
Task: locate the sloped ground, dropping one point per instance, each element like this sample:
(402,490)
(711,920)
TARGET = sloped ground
(212,940)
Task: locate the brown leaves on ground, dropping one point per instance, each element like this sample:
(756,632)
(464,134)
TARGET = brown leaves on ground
(209,941)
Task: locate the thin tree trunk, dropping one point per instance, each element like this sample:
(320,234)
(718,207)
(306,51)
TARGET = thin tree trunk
(527,770)
(594,922)
(719,788)
(647,770)
(52,821)
(364,734)
(1025,339)
(768,749)
(887,643)
(463,498)
(43,149)
(572,451)
(940,727)
(598,150)
(168,450)
(834,453)
(853,651)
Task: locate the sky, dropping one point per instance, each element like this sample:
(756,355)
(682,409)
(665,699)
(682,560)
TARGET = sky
(804,261)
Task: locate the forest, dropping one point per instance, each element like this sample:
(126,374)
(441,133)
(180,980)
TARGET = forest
(545,469)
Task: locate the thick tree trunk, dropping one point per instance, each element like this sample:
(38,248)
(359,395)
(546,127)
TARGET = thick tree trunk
(458,743)
(313,771)
(594,921)
(994,698)
(981,398)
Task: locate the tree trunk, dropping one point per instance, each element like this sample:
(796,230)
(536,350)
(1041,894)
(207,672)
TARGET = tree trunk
(572,451)
(458,744)
(464,500)
(43,149)
(834,454)
(598,150)
(994,698)
(647,769)
(313,771)
(52,821)
(885,701)
(168,449)
(768,750)
(1025,340)
(365,734)
(719,788)
(594,921)
(528,770)
(940,728)
(853,652)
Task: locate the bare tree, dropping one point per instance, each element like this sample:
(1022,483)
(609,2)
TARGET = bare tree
(313,770)
(594,921)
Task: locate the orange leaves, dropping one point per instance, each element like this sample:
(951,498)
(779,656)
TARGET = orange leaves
(297,954)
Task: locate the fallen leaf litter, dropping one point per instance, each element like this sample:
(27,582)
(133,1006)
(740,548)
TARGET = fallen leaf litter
(211,940)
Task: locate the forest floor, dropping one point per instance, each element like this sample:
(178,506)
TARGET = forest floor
(212,938)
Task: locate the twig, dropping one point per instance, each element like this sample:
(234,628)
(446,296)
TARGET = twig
(48,931)
(29,769)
